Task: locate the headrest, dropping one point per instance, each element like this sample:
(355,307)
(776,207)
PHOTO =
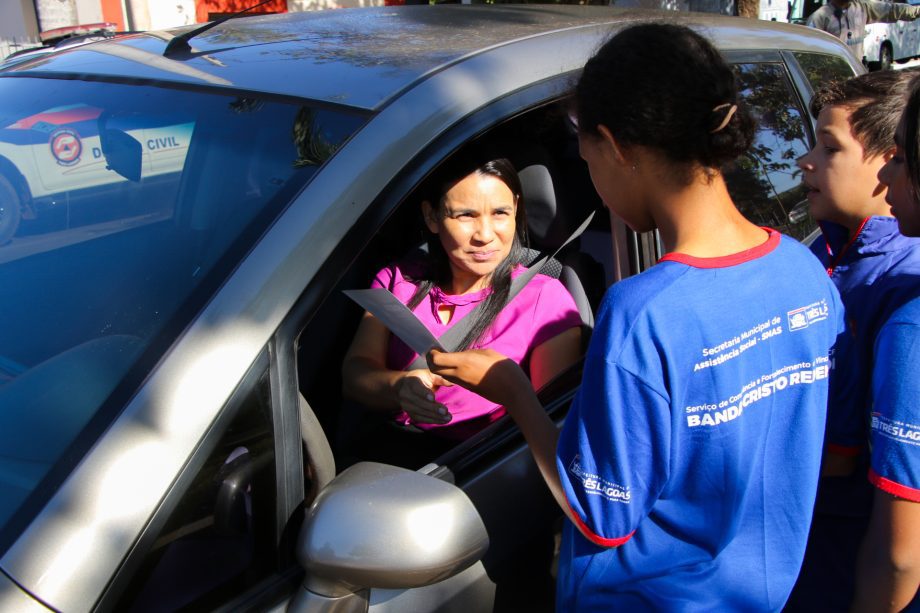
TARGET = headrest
(546,221)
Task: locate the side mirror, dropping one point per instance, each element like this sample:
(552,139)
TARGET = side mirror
(122,152)
(799,212)
(233,504)
(379,526)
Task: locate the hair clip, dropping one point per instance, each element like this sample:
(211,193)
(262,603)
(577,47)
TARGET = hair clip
(728,115)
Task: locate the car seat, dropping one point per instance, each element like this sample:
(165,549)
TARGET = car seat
(549,226)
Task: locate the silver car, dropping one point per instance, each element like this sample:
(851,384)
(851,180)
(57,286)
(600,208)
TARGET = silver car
(180,212)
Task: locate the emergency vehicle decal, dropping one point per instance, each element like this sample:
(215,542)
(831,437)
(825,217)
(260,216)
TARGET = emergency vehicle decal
(66,147)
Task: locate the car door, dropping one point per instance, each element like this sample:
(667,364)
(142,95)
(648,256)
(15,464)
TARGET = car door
(220,538)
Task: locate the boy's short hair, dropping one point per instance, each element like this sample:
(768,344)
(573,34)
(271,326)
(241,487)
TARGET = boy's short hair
(875,101)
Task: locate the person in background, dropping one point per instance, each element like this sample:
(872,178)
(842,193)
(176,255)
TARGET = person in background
(888,577)
(871,263)
(847,19)
(688,462)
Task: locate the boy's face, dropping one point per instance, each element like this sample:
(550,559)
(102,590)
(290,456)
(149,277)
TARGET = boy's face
(843,187)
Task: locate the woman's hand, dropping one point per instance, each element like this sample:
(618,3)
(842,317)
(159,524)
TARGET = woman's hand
(415,393)
(483,371)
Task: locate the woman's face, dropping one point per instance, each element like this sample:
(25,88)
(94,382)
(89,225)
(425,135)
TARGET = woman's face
(901,196)
(476,225)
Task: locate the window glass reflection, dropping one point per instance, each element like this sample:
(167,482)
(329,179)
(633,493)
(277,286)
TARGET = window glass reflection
(122,207)
(766,184)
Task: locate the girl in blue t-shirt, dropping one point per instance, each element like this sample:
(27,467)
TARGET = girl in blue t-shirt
(688,462)
(888,575)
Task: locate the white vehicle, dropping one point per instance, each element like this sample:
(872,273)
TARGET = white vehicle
(70,149)
(888,42)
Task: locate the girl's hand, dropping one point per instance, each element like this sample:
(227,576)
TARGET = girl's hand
(483,371)
(415,392)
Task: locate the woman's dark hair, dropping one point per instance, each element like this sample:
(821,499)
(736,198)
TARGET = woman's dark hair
(874,100)
(665,87)
(911,134)
(437,270)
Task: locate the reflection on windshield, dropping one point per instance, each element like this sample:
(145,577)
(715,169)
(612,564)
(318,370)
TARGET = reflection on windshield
(119,206)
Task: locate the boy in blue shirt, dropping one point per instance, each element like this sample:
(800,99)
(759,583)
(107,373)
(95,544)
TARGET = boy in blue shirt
(872,265)
(889,560)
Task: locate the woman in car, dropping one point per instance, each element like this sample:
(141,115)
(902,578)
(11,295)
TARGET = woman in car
(689,459)
(475,216)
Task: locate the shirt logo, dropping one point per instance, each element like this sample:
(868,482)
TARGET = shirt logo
(801,318)
(899,431)
(596,486)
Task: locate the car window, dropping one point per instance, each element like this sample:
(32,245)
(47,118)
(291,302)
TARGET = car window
(122,207)
(221,539)
(820,68)
(558,196)
(766,184)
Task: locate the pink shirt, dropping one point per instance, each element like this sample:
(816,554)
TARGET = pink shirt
(540,311)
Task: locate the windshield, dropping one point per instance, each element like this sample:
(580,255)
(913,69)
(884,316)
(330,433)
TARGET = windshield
(121,208)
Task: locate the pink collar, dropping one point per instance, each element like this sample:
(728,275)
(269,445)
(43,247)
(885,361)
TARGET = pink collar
(438,297)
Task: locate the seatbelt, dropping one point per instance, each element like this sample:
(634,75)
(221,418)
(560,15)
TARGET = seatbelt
(451,338)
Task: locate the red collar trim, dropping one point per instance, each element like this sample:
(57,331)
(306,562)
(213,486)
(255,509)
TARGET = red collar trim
(843,252)
(773,238)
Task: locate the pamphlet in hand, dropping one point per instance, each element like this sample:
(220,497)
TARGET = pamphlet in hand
(396,316)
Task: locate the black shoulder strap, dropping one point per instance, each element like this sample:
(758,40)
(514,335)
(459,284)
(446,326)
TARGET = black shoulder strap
(451,338)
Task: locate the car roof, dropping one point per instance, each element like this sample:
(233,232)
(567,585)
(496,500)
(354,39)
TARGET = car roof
(365,57)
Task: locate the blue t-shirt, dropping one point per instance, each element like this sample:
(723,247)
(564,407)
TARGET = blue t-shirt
(692,451)
(895,420)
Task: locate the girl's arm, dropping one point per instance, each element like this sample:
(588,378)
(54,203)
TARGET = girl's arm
(888,571)
(501,380)
(554,357)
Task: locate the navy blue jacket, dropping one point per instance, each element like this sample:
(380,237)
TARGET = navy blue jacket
(875,272)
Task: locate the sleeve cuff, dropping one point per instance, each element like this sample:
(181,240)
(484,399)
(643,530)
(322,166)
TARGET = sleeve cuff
(893,488)
(596,538)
